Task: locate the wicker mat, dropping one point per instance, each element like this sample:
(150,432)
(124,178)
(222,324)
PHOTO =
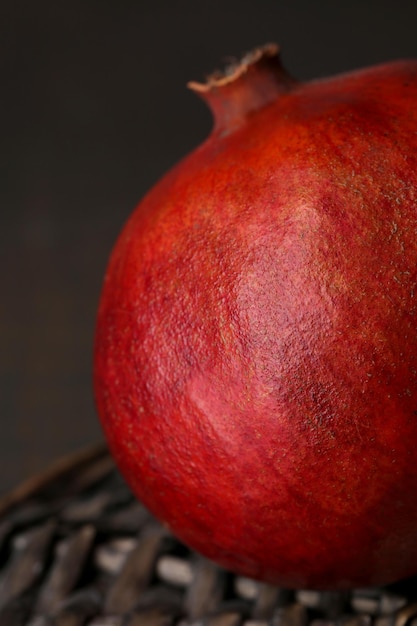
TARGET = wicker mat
(76,548)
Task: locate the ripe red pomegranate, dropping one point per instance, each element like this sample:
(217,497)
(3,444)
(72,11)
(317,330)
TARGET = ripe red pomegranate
(256,348)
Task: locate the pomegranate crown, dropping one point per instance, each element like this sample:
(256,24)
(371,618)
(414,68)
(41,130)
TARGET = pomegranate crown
(244,86)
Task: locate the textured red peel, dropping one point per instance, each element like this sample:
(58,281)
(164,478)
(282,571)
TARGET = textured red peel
(256,346)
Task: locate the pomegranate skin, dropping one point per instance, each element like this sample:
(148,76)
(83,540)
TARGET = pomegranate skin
(256,344)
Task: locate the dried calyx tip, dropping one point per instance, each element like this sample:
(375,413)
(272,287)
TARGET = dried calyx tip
(236,68)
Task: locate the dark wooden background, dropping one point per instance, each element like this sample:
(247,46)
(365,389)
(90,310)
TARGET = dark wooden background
(93,110)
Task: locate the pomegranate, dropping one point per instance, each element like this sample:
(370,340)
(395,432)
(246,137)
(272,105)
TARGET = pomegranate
(256,346)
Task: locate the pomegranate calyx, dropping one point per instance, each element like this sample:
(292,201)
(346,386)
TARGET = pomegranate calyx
(244,86)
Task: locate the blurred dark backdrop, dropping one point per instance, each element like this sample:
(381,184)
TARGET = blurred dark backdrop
(93,110)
